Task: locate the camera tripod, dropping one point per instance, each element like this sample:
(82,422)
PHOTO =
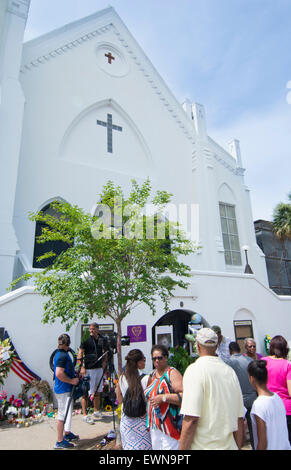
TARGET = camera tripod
(111,392)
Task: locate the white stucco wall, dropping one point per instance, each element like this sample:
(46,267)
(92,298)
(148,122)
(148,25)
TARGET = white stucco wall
(220,298)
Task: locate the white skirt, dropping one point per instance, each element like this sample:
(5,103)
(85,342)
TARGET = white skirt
(161,441)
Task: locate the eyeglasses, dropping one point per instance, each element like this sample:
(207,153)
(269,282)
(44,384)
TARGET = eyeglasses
(157,358)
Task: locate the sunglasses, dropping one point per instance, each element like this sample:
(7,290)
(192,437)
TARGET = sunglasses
(157,358)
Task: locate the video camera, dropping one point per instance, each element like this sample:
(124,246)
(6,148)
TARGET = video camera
(112,341)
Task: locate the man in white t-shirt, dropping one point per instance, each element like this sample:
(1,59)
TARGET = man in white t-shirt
(212,402)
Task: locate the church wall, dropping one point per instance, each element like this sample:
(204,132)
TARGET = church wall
(238,195)
(3,6)
(12,24)
(59,159)
(220,298)
(216,178)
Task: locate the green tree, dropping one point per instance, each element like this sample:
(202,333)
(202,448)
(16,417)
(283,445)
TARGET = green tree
(282,219)
(116,259)
(180,359)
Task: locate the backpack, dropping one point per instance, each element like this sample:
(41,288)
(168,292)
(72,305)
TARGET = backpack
(135,408)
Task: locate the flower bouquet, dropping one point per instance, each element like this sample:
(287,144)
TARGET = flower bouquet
(3,405)
(6,359)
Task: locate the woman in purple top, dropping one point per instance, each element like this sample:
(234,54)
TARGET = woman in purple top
(250,348)
(279,374)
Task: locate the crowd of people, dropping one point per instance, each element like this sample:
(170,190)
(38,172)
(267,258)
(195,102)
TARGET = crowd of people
(220,395)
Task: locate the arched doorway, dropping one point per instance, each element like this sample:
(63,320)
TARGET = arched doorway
(173,326)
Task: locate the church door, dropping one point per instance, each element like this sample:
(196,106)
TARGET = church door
(172,327)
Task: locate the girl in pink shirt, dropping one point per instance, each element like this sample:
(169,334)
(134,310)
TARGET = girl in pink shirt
(279,374)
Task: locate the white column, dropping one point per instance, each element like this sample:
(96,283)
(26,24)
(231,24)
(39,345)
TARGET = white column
(234,150)
(204,190)
(12,21)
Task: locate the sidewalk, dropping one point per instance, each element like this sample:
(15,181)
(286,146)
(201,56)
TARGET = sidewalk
(42,436)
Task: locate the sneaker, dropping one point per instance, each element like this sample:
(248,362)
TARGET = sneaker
(111,435)
(71,437)
(64,445)
(88,419)
(97,414)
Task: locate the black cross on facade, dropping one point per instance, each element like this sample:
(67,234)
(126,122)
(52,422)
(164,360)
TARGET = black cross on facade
(110,128)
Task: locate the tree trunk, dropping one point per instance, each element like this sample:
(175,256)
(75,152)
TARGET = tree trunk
(119,357)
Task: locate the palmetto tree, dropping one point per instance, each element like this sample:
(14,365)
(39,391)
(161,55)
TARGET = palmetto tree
(282,219)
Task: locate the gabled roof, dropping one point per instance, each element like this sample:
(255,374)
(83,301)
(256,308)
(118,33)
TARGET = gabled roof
(55,43)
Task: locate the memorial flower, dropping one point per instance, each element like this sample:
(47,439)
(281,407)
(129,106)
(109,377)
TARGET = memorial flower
(6,359)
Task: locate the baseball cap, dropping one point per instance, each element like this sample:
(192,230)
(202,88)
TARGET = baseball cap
(207,337)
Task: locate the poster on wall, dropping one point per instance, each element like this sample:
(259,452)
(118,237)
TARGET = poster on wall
(164,335)
(137,333)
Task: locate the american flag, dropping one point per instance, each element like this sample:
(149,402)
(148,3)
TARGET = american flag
(18,366)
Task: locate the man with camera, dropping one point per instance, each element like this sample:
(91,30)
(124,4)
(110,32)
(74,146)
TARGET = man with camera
(65,379)
(92,358)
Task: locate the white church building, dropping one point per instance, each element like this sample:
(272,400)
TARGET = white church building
(82,105)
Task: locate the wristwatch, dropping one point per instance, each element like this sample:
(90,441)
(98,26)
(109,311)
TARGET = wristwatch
(164,398)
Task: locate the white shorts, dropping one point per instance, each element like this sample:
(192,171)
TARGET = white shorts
(95,379)
(63,400)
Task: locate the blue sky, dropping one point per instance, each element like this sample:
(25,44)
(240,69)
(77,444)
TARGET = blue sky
(233,56)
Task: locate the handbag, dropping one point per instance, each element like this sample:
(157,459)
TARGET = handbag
(176,420)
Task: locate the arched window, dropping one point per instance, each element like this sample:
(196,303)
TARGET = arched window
(230,235)
(41,248)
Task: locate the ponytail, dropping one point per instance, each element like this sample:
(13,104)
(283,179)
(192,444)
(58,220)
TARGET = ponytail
(132,373)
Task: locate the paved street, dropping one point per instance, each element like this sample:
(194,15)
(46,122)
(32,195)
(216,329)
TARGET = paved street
(42,436)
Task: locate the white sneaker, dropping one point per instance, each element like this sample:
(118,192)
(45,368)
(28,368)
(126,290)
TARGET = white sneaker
(88,419)
(97,414)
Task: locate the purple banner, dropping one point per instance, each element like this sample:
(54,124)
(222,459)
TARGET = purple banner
(137,333)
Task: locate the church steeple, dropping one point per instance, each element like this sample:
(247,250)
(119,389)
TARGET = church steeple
(13,16)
